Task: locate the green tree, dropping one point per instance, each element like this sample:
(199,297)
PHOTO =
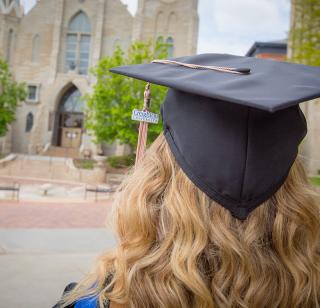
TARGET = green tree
(305,32)
(109,106)
(11,93)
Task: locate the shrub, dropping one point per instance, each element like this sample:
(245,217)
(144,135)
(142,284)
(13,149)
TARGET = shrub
(84,163)
(121,161)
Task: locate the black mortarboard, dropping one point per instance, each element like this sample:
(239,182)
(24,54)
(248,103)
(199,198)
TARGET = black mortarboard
(233,123)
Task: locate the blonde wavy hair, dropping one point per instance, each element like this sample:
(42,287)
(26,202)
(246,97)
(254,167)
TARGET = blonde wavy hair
(177,248)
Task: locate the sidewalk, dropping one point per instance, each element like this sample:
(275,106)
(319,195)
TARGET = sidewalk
(54,214)
(43,247)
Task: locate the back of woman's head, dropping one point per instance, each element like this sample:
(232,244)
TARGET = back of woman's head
(178,248)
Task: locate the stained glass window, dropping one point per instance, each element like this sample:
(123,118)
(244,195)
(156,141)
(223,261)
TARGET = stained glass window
(78,44)
(80,23)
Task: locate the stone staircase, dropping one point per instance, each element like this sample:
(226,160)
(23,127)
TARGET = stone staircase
(47,168)
(54,151)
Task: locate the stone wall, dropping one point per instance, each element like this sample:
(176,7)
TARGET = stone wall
(176,18)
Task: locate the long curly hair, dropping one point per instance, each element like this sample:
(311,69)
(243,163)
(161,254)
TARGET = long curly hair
(178,248)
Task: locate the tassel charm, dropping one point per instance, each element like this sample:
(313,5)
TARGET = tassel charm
(144,117)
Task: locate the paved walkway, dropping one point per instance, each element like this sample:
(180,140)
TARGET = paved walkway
(54,214)
(44,246)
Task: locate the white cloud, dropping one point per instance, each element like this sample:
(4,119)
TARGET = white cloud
(249,17)
(232,26)
(232,46)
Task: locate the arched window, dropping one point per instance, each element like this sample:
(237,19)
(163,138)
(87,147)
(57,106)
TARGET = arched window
(71,101)
(78,44)
(170,43)
(35,49)
(29,122)
(10,46)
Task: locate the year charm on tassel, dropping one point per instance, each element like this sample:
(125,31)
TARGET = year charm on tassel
(144,117)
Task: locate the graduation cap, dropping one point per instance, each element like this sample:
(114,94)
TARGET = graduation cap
(232,123)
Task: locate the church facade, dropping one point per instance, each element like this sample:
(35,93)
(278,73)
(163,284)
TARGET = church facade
(53,46)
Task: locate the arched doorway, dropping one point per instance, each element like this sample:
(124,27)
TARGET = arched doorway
(69,119)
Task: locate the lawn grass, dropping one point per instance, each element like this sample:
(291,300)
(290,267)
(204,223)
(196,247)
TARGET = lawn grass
(315,180)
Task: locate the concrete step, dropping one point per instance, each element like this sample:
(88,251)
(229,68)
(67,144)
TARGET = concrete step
(62,152)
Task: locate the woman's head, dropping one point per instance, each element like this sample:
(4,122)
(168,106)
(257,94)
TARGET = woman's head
(178,248)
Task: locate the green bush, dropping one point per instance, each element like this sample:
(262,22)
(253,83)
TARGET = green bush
(121,161)
(84,163)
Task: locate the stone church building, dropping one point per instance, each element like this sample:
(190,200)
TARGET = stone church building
(52,47)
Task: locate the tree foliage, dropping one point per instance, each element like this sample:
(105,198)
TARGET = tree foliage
(305,32)
(109,106)
(11,93)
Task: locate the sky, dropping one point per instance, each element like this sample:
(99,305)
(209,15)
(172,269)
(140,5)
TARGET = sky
(232,26)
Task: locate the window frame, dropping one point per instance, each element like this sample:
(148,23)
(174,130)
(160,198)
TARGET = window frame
(79,35)
(36,100)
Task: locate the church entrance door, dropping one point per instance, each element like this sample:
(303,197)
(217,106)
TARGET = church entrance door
(71,118)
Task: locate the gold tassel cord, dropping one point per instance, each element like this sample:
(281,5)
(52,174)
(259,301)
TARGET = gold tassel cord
(232,70)
(143,127)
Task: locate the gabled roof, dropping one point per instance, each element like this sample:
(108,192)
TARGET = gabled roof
(8,7)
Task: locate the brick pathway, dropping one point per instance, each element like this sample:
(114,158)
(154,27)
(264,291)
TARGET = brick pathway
(27,214)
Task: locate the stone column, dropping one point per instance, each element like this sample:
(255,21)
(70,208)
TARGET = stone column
(2,41)
(97,39)
(56,40)
(137,28)
(193,33)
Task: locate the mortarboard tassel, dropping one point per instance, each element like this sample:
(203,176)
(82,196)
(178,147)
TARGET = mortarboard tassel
(143,127)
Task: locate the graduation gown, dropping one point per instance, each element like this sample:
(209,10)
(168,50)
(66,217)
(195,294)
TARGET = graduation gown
(91,302)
